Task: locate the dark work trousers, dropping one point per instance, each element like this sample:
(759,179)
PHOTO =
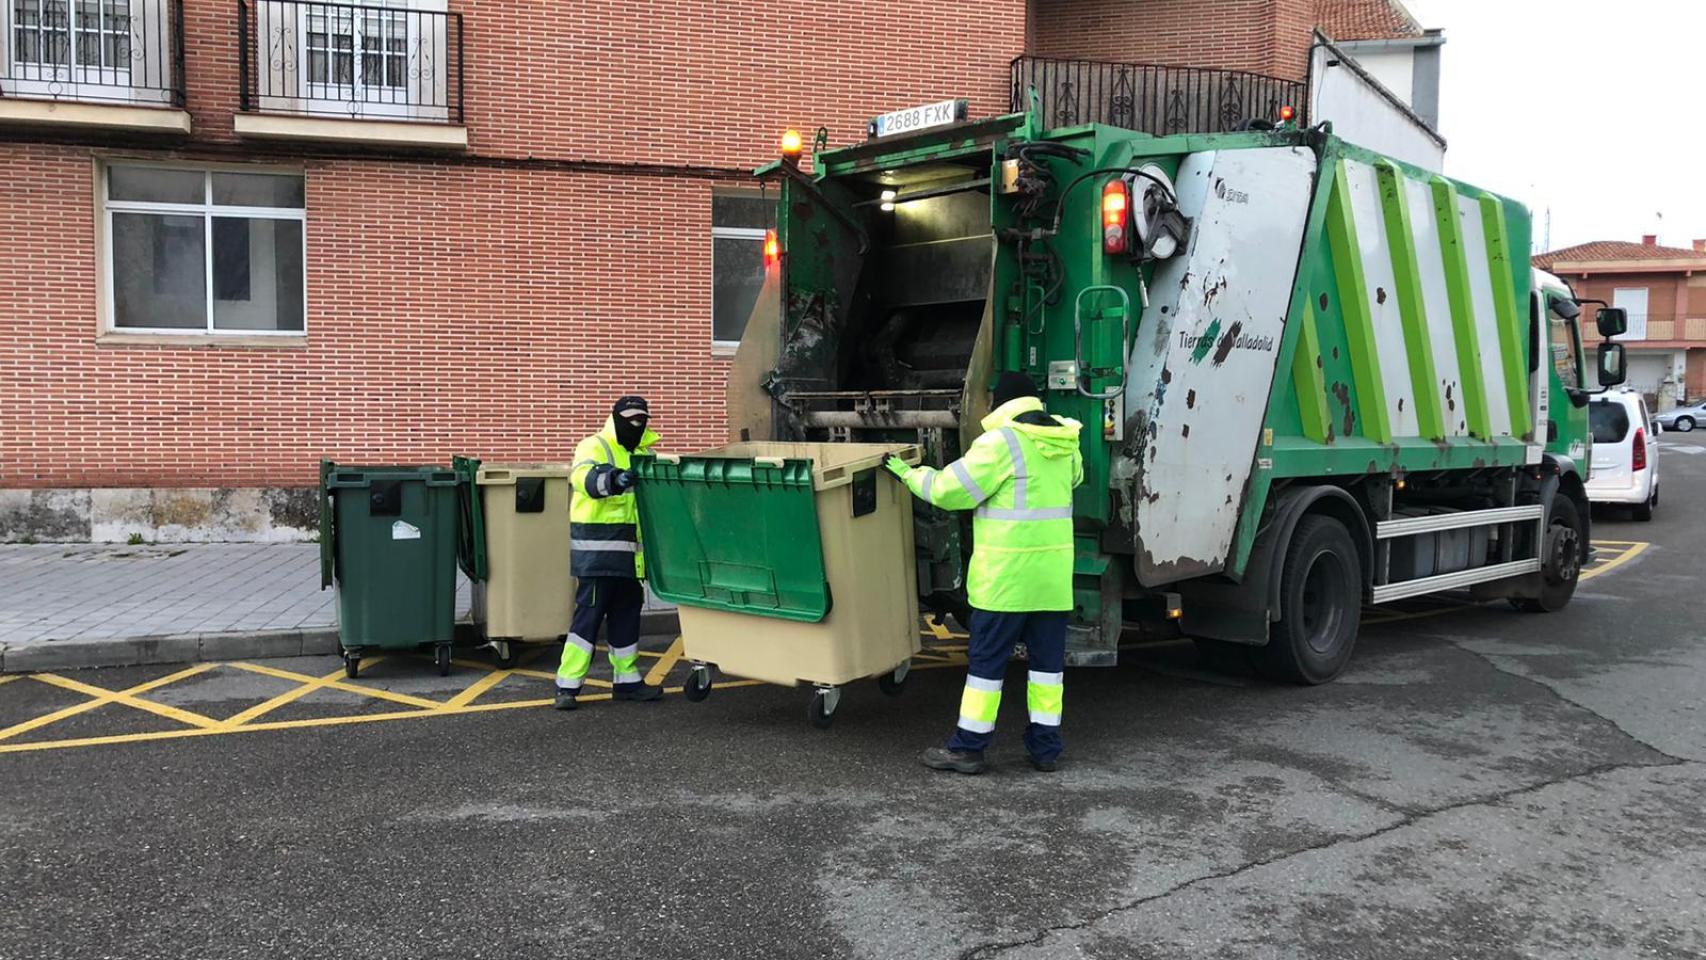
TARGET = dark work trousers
(614,602)
(992,638)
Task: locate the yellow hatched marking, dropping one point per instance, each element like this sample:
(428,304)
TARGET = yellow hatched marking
(1635,550)
(344,685)
(290,696)
(129,698)
(477,688)
(102,697)
(8,678)
(666,662)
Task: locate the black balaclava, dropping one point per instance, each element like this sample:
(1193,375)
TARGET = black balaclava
(630,415)
(1012,386)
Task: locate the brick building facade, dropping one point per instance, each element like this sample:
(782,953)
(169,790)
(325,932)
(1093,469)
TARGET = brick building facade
(243,235)
(1664,291)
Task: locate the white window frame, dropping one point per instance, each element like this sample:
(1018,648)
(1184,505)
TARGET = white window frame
(207,210)
(1622,297)
(728,233)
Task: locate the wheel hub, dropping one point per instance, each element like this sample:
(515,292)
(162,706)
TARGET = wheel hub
(1563,553)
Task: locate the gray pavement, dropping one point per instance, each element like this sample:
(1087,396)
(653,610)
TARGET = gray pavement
(1481,783)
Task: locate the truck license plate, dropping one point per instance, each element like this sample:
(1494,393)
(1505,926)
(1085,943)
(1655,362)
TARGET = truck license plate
(919,118)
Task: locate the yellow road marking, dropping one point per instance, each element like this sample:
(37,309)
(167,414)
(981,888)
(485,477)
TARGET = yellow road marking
(343,685)
(106,696)
(8,678)
(290,696)
(130,699)
(1635,550)
(478,687)
(934,628)
(665,663)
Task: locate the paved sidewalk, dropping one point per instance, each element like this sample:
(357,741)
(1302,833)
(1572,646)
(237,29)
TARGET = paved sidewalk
(88,605)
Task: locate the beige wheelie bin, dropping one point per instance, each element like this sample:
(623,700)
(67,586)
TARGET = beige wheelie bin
(524,593)
(790,563)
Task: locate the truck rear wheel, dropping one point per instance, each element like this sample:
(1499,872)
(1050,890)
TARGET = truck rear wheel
(1320,605)
(1560,558)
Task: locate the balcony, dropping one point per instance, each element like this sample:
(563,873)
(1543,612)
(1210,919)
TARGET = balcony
(106,64)
(1150,98)
(379,74)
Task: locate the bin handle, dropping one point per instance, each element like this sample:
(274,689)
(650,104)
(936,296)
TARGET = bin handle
(670,458)
(769,461)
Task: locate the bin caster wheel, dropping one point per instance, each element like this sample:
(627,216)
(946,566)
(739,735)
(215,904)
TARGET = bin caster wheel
(352,664)
(441,656)
(822,710)
(894,682)
(505,653)
(698,685)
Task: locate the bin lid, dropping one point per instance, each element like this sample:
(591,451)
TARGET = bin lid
(494,474)
(341,476)
(733,533)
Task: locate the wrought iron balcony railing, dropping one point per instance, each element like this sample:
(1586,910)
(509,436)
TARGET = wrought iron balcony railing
(127,52)
(346,60)
(1154,99)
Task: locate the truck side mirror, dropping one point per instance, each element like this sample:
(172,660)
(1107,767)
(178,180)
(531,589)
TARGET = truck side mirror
(1612,364)
(1564,307)
(1613,322)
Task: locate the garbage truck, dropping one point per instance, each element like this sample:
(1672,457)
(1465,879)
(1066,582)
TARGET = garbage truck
(1312,377)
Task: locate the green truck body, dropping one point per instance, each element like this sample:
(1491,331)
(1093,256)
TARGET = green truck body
(1256,328)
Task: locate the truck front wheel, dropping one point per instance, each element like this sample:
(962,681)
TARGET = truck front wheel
(1560,558)
(1320,605)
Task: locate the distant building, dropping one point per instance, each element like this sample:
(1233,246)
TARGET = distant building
(1664,291)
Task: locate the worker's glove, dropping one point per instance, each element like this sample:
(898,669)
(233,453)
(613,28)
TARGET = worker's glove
(897,466)
(623,480)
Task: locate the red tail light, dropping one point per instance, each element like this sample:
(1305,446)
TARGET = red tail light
(1640,462)
(772,249)
(1286,113)
(1116,217)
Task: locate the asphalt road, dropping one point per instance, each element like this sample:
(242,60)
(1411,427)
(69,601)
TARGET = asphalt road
(1481,784)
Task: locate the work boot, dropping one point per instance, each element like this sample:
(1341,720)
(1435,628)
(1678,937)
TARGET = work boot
(639,691)
(1043,766)
(565,700)
(941,758)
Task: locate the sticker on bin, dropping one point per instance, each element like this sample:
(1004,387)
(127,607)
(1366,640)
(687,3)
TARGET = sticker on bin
(405,531)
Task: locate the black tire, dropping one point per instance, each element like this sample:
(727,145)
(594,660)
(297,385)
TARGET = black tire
(1561,556)
(441,657)
(1320,605)
(698,685)
(1223,656)
(818,713)
(892,685)
(352,665)
(1684,424)
(1644,511)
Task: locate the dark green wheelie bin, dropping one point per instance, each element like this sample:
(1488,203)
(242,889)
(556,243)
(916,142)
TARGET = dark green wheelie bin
(388,542)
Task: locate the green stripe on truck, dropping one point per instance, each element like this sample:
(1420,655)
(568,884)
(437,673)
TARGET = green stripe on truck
(1424,383)
(1353,305)
(1462,310)
(1308,381)
(1509,313)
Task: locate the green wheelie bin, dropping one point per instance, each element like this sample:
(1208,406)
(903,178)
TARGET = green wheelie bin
(388,539)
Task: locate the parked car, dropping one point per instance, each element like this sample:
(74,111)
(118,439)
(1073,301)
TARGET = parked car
(1684,419)
(1625,454)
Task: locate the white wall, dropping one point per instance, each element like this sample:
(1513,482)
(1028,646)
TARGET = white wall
(1365,115)
(1394,68)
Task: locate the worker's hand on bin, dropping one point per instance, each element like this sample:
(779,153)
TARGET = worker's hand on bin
(623,480)
(897,466)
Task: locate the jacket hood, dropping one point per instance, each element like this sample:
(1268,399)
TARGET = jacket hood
(609,433)
(1053,440)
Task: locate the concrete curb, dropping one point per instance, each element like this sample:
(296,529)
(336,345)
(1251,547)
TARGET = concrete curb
(43,655)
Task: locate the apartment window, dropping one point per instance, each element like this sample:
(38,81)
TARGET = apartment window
(92,34)
(738,222)
(205,251)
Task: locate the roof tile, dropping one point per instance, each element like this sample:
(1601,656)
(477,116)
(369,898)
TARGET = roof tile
(1611,250)
(1366,20)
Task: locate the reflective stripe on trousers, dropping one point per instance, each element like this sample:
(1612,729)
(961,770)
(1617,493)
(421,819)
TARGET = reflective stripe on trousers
(1044,695)
(577,660)
(979,704)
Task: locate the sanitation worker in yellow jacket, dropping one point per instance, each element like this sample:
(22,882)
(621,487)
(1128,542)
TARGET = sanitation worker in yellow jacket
(1018,478)
(605,556)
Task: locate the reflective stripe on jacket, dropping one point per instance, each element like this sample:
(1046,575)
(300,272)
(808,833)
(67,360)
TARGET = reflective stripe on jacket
(604,526)
(1018,477)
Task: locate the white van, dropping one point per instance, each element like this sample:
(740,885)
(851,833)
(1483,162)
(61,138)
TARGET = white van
(1625,453)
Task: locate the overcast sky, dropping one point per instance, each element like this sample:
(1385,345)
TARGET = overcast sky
(1586,107)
